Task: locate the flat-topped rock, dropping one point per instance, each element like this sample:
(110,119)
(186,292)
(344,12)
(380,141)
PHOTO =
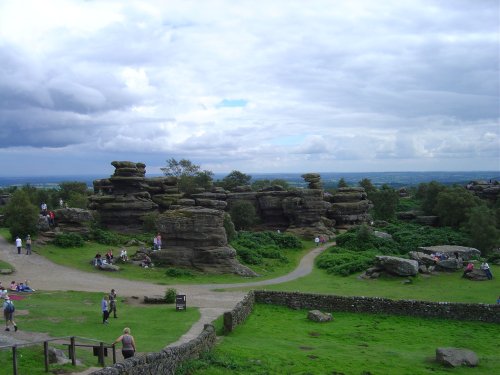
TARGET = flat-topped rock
(466,253)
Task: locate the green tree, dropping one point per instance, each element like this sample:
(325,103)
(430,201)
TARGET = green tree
(482,230)
(265,183)
(428,193)
(190,176)
(342,183)
(453,206)
(243,214)
(67,188)
(234,179)
(385,202)
(21,215)
(366,184)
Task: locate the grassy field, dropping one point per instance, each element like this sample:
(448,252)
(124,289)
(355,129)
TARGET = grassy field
(447,287)
(80,258)
(277,340)
(79,314)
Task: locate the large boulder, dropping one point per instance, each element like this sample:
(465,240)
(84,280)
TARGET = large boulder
(454,357)
(422,258)
(451,251)
(397,266)
(450,264)
(318,316)
(476,275)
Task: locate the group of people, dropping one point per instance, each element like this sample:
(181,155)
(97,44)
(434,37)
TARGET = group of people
(319,240)
(109,258)
(108,306)
(19,244)
(49,215)
(485,267)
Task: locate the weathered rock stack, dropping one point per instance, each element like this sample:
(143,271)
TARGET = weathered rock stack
(195,237)
(350,205)
(314,180)
(489,190)
(123,199)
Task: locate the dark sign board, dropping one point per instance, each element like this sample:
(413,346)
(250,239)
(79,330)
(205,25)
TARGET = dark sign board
(180,302)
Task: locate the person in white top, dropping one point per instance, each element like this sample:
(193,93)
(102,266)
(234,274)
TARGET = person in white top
(486,268)
(19,244)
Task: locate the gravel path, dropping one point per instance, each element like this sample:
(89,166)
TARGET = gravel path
(45,275)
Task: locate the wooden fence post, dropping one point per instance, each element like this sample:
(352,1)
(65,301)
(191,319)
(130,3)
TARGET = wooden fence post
(72,351)
(46,355)
(101,354)
(114,353)
(14,359)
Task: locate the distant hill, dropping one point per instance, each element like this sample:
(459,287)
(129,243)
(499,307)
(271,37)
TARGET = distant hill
(330,179)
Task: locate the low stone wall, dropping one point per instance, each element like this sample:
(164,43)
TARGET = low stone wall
(424,309)
(166,361)
(239,314)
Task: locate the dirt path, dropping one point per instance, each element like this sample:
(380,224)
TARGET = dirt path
(45,275)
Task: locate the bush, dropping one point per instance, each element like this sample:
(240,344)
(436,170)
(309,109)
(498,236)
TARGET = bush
(243,214)
(170,295)
(178,272)
(69,240)
(229,227)
(105,237)
(345,262)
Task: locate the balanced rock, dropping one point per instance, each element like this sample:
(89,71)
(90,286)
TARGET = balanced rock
(454,357)
(397,266)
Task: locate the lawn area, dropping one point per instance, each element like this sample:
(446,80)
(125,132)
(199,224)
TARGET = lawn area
(278,340)
(79,314)
(80,257)
(446,287)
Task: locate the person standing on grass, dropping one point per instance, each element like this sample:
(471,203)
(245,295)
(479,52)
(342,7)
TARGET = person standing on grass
(112,303)
(104,308)
(19,244)
(128,343)
(8,313)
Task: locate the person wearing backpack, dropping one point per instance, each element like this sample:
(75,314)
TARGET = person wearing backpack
(8,313)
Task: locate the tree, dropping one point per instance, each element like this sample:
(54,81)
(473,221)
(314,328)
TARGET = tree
(453,206)
(342,183)
(366,184)
(243,214)
(67,188)
(481,227)
(21,215)
(235,178)
(190,176)
(385,202)
(428,193)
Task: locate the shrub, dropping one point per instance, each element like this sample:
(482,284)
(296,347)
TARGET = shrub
(69,240)
(105,237)
(345,262)
(178,272)
(243,214)
(170,295)
(229,227)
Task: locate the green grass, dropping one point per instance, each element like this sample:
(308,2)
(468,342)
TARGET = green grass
(80,257)
(79,314)
(277,340)
(447,287)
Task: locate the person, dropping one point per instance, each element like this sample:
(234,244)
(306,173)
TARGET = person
(97,260)
(61,203)
(146,262)
(43,206)
(158,241)
(469,268)
(19,244)
(128,343)
(123,255)
(21,287)
(52,218)
(28,245)
(486,268)
(8,313)
(13,286)
(155,243)
(104,308)
(3,292)
(109,256)
(316,241)
(112,303)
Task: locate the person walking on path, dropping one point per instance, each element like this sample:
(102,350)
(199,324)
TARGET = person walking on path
(316,241)
(104,308)
(8,313)
(19,244)
(128,343)
(112,303)
(28,245)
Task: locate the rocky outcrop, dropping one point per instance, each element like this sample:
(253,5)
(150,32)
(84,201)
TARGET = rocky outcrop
(313,180)
(195,237)
(451,251)
(397,266)
(488,190)
(476,275)
(76,220)
(454,357)
(350,205)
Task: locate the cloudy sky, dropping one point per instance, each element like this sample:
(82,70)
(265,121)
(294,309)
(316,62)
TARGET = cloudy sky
(257,86)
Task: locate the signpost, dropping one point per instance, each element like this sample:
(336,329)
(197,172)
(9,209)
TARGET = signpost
(180,302)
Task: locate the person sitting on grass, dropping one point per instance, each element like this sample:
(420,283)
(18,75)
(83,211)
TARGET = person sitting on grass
(3,292)
(22,287)
(146,262)
(109,256)
(123,255)
(13,286)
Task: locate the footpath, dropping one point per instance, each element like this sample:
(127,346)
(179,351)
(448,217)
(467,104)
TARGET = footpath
(48,276)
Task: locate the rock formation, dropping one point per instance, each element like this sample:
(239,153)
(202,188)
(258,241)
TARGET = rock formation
(489,190)
(350,205)
(454,357)
(397,266)
(465,253)
(195,237)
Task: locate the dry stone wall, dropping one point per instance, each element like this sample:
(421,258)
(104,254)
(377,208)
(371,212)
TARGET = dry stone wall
(166,361)
(239,314)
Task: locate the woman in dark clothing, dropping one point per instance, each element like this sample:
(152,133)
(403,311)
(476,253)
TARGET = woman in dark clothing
(128,343)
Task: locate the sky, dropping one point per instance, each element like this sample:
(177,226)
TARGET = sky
(255,86)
